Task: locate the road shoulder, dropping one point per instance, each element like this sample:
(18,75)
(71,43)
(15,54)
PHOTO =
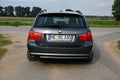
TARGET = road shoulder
(111,47)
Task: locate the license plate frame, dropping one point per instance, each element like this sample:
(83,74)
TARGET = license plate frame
(60,38)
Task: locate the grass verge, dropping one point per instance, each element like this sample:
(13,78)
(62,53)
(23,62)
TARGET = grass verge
(2,52)
(3,42)
(118,44)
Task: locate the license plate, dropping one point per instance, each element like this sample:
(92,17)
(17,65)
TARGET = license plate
(61,38)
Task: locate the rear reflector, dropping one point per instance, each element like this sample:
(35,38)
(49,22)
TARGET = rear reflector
(34,35)
(85,36)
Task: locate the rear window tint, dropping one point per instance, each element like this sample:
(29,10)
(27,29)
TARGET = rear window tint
(63,20)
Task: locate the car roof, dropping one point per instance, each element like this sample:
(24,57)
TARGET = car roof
(62,12)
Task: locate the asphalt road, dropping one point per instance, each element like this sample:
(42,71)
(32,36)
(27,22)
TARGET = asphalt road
(15,66)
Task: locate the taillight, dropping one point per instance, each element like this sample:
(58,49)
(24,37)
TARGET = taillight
(85,36)
(89,36)
(34,35)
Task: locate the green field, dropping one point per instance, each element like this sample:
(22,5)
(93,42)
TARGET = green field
(16,21)
(103,22)
(27,21)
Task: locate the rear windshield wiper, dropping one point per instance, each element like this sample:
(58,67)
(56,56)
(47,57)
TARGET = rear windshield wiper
(53,26)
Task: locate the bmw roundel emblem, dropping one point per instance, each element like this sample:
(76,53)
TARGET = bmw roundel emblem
(59,31)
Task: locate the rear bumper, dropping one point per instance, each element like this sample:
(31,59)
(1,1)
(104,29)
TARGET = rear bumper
(83,52)
(61,56)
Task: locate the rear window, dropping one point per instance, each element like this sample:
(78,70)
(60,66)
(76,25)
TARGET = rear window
(60,20)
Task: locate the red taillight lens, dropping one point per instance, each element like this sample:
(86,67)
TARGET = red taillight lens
(34,35)
(82,37)
(89,36)
(85,36)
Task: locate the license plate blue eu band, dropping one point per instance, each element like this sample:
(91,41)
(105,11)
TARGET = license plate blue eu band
(49,37)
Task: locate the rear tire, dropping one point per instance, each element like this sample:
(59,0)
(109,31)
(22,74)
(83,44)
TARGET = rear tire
(31,57)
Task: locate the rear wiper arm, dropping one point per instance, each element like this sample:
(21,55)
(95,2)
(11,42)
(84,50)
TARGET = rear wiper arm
(54,26)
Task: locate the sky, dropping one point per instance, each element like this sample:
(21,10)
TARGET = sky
(87,7)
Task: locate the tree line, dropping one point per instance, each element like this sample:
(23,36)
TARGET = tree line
(116,10)
(19,11)
(28,12)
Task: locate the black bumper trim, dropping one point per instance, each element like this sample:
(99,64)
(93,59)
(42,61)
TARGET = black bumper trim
(61,56)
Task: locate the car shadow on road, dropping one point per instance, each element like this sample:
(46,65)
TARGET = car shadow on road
(77,61)
(97,55)
(63,61)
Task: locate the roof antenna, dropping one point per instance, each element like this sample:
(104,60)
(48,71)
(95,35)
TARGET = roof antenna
(78,11)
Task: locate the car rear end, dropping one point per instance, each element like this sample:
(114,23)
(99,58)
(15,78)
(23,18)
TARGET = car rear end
(60,36)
